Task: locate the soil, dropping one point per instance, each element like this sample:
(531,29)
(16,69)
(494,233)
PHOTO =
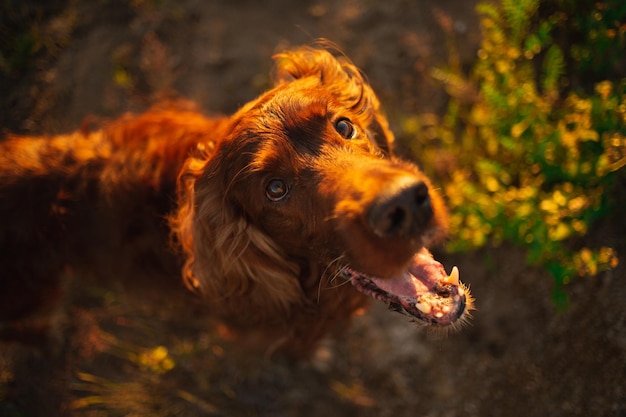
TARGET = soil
(132,357)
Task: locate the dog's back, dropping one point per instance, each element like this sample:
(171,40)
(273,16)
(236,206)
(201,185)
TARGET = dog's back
(87,198)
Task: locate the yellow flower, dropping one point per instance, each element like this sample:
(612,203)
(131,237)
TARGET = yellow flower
(577,204)
(518,129)
(604,89)
(560,232)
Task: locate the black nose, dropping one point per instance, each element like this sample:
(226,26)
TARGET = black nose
(404,209)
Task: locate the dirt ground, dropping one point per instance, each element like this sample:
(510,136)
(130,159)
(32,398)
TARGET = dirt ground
(131,357)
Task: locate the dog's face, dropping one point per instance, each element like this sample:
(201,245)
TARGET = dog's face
(308,165)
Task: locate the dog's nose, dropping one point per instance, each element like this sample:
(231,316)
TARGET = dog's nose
(404,209)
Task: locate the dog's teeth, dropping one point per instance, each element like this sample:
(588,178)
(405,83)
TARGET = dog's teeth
(453,278)
(424,308)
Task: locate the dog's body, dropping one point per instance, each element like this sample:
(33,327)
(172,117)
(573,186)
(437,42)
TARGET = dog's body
(274,208)
(89,203)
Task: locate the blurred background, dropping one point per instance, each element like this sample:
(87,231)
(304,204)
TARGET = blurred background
(516,109)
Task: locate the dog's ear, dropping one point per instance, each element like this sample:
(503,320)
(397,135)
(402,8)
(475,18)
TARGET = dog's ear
(235,266)
(343,80)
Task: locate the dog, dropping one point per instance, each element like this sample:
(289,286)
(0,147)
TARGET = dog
(288,216)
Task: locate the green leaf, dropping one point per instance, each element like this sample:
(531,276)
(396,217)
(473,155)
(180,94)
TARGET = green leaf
(553,68)
(489,10)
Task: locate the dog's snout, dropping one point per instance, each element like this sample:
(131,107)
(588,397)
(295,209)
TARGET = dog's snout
(403,210)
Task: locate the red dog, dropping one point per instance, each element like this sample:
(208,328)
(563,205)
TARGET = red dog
(274,207)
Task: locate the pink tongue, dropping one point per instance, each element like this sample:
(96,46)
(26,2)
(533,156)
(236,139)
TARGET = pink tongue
(421,276)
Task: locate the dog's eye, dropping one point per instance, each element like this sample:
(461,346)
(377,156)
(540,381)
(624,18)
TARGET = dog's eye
(276,190)
(345,128)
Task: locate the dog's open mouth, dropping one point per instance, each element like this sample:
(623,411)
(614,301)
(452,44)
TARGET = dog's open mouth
(425,291)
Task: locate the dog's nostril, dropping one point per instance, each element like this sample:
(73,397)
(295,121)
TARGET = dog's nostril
(403,212)
(396,218)
(422,198)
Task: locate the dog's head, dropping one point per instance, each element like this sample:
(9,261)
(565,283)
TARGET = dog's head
(303,187)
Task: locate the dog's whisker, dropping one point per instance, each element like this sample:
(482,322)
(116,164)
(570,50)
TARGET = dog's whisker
(331,278)
(235,178)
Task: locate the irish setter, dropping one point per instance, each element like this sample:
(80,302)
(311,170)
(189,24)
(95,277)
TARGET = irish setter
(289,215)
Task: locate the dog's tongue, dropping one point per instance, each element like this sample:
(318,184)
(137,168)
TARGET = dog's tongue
(423,291)
(422,276)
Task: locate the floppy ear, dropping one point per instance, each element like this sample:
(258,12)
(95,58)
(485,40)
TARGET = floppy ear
(343,80)
(236,266)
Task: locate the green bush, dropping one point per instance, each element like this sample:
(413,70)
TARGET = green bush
(532,142)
